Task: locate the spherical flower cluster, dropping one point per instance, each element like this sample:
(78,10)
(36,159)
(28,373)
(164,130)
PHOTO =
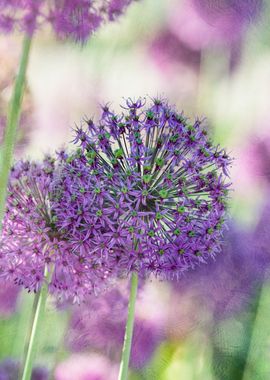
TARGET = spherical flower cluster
(77,19)
(146,191)
(30,240)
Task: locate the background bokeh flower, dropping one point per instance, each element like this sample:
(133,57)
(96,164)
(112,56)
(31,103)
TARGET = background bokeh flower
(82,367)
(10,369)
(8,297)
(99,325)
(75,19)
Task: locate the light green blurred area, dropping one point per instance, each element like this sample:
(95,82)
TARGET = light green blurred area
(67,82)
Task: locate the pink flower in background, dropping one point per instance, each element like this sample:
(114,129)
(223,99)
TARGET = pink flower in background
(258,157)
(196,25)
(167,49)
(203,23)
(86,367)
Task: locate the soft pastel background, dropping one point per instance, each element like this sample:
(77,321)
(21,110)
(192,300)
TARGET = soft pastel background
(214,325)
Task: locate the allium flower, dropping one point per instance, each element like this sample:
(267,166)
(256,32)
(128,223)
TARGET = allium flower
(104,329)
(77,19)
(147,190)
(30,240)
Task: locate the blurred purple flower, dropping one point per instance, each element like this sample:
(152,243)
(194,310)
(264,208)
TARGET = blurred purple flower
(86,367)
(167,49)
(228,14)
(203,23)
(262,237)
(148,176)
(258,157)
(223,287)
(8,297)
(104,329)
(40,373)
(76,19)
(30,240)
(10,368)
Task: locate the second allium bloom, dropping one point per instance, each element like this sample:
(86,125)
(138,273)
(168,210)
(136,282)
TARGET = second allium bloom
(146,190)
(30,240)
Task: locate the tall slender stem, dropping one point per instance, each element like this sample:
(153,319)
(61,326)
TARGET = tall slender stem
(38,314)
(123,372)
(12,123)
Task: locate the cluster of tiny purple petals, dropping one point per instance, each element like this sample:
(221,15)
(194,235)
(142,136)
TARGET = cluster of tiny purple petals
(30,241)
(76,19)
(146,189)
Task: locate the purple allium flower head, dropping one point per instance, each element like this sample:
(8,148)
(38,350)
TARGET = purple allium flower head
(76,19)
(104,329)
(147,190)
(30,240)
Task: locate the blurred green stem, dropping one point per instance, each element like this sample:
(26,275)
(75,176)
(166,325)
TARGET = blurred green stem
(257,361)
(123,372)
(39,309)
(12,123)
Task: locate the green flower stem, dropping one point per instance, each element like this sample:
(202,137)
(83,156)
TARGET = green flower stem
(39,310)
(12,123)
(123,372)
